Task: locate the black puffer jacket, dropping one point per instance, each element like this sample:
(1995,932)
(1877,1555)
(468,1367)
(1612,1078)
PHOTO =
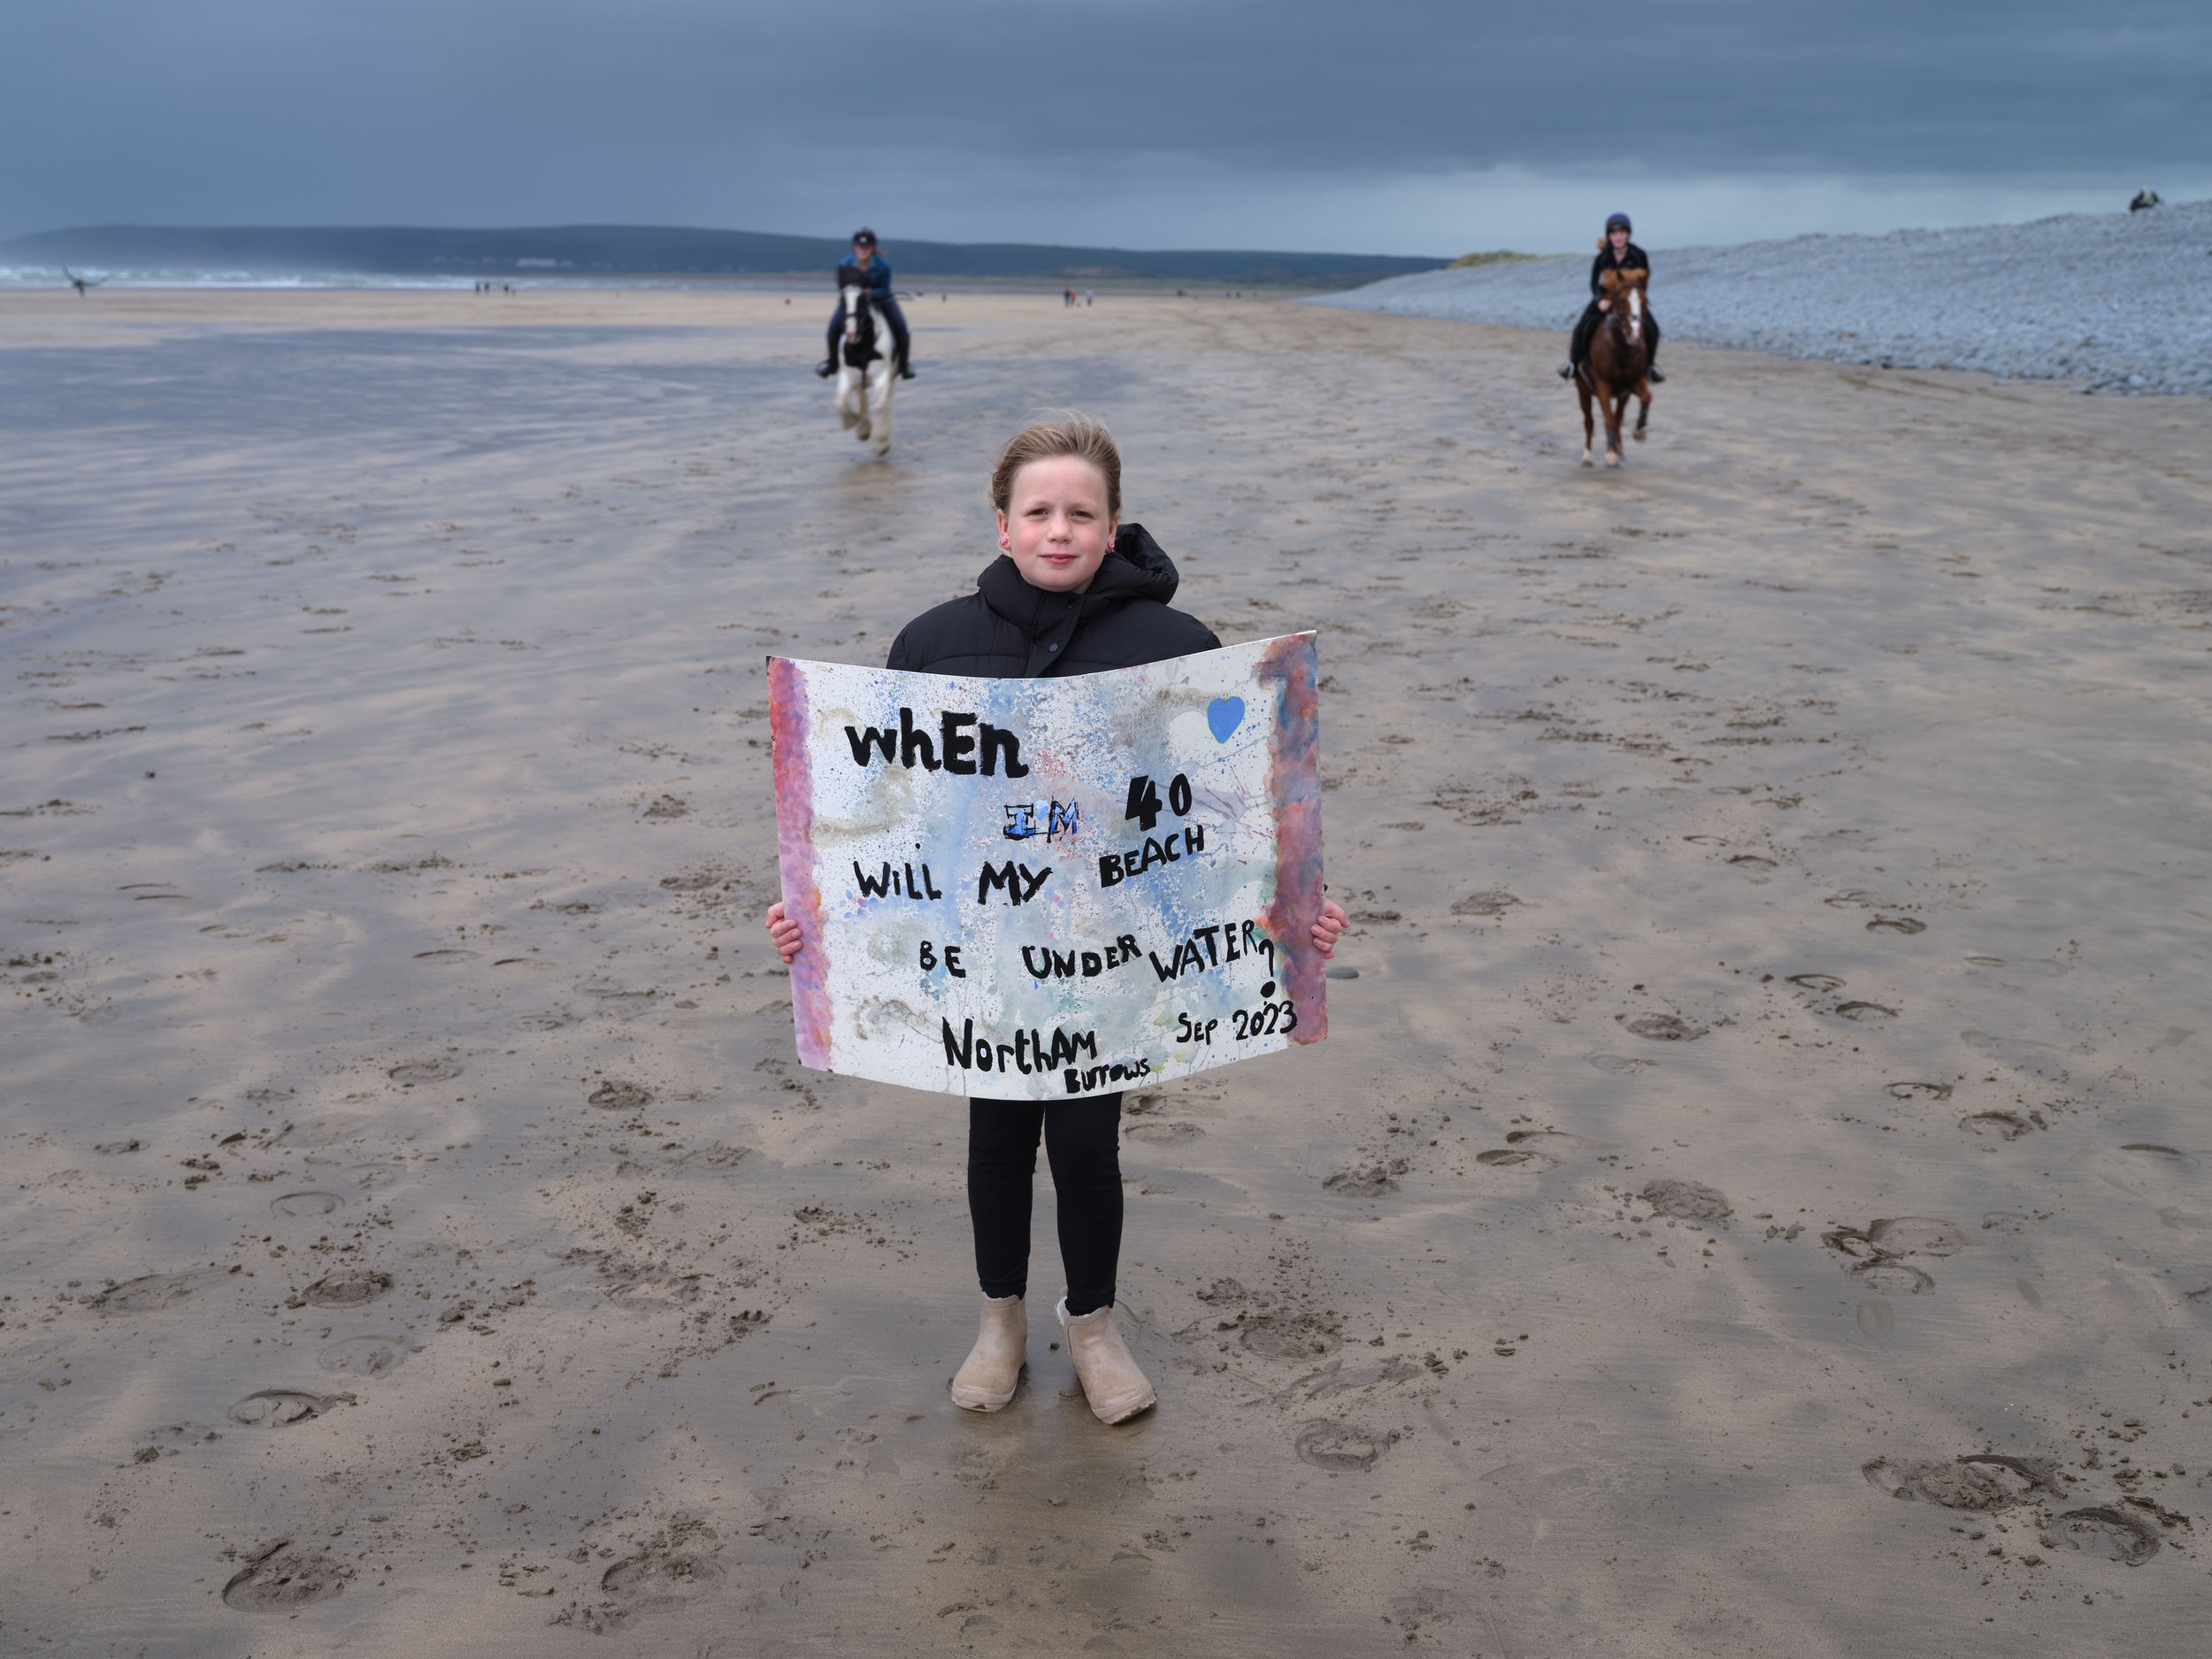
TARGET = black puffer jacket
(1633,259)
(1008,630)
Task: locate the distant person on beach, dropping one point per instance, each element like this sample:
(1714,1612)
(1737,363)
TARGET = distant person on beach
(865,267)
(1615,252)
(1075,591)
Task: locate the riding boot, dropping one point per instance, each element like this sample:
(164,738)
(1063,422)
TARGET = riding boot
(987,1377)
(826,367)
(905,369)
(1112,1383)
(1567,370)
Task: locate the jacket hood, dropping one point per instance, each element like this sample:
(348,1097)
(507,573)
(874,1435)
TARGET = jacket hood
(1135,567)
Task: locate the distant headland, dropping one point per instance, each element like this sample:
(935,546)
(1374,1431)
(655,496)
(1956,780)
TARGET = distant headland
(608,252)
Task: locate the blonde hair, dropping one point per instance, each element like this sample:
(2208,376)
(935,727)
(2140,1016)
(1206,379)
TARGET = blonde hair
(1069,433)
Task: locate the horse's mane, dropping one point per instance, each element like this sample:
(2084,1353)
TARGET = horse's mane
(1635,276)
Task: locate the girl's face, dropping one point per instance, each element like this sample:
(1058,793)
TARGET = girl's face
(1617,237)
(1056,528)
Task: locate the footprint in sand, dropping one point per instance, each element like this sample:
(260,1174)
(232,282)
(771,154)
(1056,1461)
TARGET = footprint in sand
(452,954)
(2146,1170)
(543,1022)
(156,1291)
(281,1408)
(1982,1482)
(364,1355)
(2042,1058)
(1661,1027)
(1910,1091)
(1823,983)
(2175,1156)
(2111,1533)
(1913,1235)
(661,1577)
(623,1097)
(1533,1149)
(1687,1201)
(716,1156)
(1904,924)
(1882,1272)
(1752,864)
(1163,1135)
(304,1206)
(1375,1180)
(1292,1336)
(1877,1251)
(1620,1065)
(426,1072)
(1865,1011)
(1341,1447)
(370,1177)
(672,1568)
(2002,1125)
(355,1287)
(284,1578)
(1496,902)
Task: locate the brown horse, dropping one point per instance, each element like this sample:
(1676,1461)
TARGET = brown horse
(1618,366)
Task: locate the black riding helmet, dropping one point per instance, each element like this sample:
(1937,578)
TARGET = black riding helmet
(1620,219)
(864,237)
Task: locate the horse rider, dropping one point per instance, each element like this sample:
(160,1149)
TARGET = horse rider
(864,267)
(1615,252)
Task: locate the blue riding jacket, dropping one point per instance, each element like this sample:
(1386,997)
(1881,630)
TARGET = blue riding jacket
(877,276)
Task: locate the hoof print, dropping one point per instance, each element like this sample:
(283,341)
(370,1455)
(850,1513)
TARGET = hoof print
(284,1578)
(1687,1201)
(355,1288)
(1662,1028)
(1341,1447)
(281,1408)
(1376,1181)
(1292,1336)
(2111,1533)
(426,1072)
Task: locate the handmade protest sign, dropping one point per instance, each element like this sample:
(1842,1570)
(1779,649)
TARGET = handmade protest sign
(1038,888)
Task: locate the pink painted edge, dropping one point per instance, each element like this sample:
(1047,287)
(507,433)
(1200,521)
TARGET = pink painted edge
(1294,781)
(795,859)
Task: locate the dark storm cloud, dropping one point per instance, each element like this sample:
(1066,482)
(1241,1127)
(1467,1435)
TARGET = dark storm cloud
(482,110)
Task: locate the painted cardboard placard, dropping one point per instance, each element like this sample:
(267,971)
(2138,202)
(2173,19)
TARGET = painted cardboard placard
(1040,889)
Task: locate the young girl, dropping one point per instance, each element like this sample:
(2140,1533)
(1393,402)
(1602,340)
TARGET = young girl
(1076,592)
(1615,252)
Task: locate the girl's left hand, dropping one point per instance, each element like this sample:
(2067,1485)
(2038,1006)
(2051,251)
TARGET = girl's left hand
(1332,922)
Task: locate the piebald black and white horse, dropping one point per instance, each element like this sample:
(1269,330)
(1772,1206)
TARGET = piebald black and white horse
(866,371)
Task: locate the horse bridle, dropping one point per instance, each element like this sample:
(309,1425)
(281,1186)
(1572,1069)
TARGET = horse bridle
(861,304)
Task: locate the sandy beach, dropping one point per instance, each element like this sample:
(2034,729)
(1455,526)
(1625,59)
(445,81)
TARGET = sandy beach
(1754,1199)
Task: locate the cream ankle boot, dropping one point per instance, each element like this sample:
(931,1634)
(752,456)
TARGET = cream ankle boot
(1111,1382)
(987,1377)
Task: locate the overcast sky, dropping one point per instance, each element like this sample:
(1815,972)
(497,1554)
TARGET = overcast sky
(1368,126)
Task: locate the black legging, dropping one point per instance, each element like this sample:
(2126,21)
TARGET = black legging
(1082,1139)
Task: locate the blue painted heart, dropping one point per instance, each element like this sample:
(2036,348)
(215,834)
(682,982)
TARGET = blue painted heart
(1224,715)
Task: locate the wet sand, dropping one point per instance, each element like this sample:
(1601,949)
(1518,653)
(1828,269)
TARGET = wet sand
(1754,1199)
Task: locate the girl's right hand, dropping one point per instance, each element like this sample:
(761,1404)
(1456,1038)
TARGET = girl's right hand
(783,933)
